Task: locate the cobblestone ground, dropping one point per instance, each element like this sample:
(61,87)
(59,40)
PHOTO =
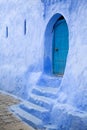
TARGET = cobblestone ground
(7,120)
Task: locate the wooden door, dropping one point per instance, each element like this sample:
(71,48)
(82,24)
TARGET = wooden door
(60,47)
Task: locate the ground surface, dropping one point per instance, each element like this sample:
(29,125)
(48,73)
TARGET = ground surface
(7,120)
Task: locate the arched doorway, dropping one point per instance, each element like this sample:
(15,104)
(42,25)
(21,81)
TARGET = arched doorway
(60,46)
(56,45)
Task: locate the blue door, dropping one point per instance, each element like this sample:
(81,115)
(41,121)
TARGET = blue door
(60,47)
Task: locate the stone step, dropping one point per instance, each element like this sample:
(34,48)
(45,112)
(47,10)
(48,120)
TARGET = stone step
(47,92)
(30,119)
(46,89)
(49,81)
(50,127)
(41,100)
(36,110)
(33,106)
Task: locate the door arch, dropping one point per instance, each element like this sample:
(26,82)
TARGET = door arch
(60,46)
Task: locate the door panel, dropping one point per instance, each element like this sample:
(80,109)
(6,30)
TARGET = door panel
(59,67)
(62,42)
(60,47)
(59,54)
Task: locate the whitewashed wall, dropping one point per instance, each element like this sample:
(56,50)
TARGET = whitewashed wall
(20,54)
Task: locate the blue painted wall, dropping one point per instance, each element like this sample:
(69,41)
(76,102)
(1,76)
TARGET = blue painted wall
(76,61)
(72,98)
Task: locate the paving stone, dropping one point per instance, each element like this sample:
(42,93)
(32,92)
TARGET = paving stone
(17,127)
(8,121)
(1,128)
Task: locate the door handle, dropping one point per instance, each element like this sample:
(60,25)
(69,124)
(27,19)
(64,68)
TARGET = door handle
(56,49)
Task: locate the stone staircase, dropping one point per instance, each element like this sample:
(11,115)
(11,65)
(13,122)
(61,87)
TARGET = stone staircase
(36,110)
